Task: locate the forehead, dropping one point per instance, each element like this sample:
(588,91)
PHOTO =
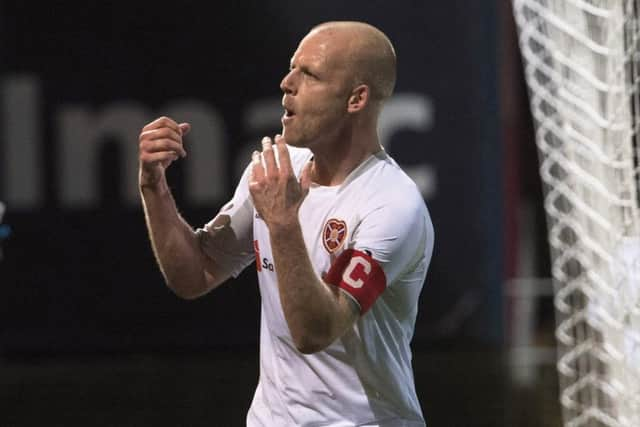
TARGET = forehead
(320,48)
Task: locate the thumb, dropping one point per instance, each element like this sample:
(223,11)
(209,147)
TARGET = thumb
(184,128)
(305,177)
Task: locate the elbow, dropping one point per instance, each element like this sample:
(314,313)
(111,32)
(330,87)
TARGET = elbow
(189,284)
(187,296)
(183,293)
(309,347)
(314,333)
(186,290)
(309,343)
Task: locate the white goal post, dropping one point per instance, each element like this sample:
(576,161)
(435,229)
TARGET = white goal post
(582,67)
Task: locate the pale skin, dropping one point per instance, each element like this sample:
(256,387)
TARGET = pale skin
(187,271)
(317,313)
(329,113)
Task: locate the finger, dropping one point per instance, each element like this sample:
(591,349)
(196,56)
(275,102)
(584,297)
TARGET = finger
(185,128)
(154,135)
(257,170)
(158,145)
(159,133)
(162,122)
(305,177)
(283,156)
(269,158)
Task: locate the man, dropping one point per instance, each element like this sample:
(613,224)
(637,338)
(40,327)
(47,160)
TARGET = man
(340,236)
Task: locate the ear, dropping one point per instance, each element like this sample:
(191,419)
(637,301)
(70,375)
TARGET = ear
(359,98)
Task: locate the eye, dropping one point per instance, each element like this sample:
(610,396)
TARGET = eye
(308,73)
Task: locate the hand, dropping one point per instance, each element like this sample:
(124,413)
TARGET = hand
(277,194)
(160,143)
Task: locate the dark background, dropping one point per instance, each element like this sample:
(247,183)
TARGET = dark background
(80,293)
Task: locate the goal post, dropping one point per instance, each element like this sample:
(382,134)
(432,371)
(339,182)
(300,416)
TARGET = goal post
(582,67)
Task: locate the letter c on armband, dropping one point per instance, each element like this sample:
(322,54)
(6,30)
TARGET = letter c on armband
(347,276)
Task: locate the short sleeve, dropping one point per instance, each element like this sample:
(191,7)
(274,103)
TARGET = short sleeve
(228,237)
(397,234)
(392,244)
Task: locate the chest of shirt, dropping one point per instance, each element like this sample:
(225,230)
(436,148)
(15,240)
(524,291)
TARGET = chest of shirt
(327,220)
(327,224)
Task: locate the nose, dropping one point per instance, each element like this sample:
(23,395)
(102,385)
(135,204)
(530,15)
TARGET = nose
(287,84)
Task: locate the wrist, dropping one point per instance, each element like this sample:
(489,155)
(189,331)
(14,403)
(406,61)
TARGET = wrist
(155,183)
(284,229)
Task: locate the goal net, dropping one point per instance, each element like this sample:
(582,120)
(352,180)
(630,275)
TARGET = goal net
(582,66)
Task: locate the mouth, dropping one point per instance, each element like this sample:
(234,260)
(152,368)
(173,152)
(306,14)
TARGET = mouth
(288,115)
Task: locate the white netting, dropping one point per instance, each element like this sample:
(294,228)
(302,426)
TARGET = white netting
(582,64)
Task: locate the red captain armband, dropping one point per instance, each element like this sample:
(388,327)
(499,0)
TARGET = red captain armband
(358,274)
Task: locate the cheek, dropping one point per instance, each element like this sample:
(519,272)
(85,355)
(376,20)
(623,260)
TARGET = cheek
(323,109)
(321,119)
(327,109)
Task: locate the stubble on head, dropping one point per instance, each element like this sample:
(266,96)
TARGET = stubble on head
(355,54)
(368,55)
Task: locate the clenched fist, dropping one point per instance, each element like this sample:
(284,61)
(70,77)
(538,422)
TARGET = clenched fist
(160,143)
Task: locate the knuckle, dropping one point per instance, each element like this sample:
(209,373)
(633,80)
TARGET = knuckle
(255,187)
(163,122)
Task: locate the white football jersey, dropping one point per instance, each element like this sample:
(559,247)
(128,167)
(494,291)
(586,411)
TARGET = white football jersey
(375,230)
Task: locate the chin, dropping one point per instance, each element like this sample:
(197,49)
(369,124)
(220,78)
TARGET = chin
(292,139)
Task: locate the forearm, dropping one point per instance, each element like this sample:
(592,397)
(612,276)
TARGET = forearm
(313,309)
(174,242)
(316,313)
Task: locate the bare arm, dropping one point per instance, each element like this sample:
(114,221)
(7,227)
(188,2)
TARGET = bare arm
(317,313)
(186,269)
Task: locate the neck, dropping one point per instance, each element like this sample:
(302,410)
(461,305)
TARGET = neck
(334,160)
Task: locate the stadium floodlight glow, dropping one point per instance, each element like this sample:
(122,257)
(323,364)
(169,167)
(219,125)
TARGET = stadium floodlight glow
(582,66)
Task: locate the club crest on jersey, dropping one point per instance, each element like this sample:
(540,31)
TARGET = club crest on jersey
(334,234)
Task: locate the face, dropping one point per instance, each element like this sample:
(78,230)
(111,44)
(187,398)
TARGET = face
(316,91)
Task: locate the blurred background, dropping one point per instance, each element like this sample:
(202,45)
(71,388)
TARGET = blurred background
(89,334)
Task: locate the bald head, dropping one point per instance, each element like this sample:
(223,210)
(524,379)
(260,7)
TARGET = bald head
(367,52)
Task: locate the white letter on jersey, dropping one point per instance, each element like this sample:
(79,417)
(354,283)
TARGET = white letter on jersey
(346,276)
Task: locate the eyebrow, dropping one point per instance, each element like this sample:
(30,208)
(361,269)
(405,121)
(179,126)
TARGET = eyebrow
(302,67)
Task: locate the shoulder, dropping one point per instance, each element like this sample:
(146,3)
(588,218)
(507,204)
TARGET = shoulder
(392,220)
(388,205)
(386,186)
